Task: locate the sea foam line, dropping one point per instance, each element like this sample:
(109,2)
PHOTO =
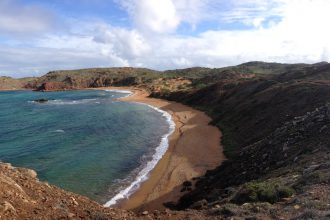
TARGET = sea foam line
(144,173)
(65,102)
(129,93)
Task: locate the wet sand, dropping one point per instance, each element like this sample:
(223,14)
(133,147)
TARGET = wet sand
(194,148)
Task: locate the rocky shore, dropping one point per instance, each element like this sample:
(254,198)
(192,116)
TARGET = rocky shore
(23,196)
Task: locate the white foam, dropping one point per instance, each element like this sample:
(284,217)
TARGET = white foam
(59,131)
(129,93)
(144,173)
(70,102)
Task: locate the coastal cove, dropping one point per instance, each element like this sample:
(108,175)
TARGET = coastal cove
(116,144)
(83,141)
(178,158)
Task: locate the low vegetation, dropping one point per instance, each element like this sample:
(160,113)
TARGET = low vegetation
(262,192)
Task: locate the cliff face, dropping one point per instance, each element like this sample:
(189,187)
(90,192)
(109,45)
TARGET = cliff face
(53,86)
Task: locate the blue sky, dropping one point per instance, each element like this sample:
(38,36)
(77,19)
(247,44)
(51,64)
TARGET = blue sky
(106,10)
(37,36)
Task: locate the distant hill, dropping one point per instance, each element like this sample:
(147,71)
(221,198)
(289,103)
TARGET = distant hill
(154,80)
(8,83)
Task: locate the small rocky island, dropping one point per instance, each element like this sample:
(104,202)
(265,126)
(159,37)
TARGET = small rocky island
(41,100)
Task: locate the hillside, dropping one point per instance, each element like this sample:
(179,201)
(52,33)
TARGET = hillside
(155,81)
(276,135)
(275,120)
(8,83)
(171,80)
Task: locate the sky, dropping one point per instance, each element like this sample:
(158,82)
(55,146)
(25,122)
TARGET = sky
(37,36)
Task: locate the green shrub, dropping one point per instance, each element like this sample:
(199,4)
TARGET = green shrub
(285,191)
(262,192)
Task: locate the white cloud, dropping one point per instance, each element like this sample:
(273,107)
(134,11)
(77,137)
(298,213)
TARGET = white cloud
(125,43)
(300,35)
(249,10)
(20,62)
(156,16)
(165,16)
(18,19)
(193,11)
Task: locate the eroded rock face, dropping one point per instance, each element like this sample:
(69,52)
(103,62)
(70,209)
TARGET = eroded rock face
(53,86)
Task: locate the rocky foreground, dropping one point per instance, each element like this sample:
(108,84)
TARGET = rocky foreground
(23,196)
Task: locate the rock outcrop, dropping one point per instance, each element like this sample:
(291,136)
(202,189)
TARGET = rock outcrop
(41,100)
(23,196)
(54,86)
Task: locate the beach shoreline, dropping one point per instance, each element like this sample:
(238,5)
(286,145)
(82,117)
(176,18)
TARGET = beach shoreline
(194,147)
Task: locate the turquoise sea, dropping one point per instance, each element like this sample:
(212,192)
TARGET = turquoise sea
(83,141)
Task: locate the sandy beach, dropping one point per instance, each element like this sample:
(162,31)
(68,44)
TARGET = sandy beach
(194,148)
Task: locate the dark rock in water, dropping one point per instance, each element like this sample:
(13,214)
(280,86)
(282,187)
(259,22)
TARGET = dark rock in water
(41,100)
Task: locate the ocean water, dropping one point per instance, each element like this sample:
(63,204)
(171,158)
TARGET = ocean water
(83,141)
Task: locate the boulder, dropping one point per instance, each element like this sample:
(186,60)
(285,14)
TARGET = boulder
(41,100)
